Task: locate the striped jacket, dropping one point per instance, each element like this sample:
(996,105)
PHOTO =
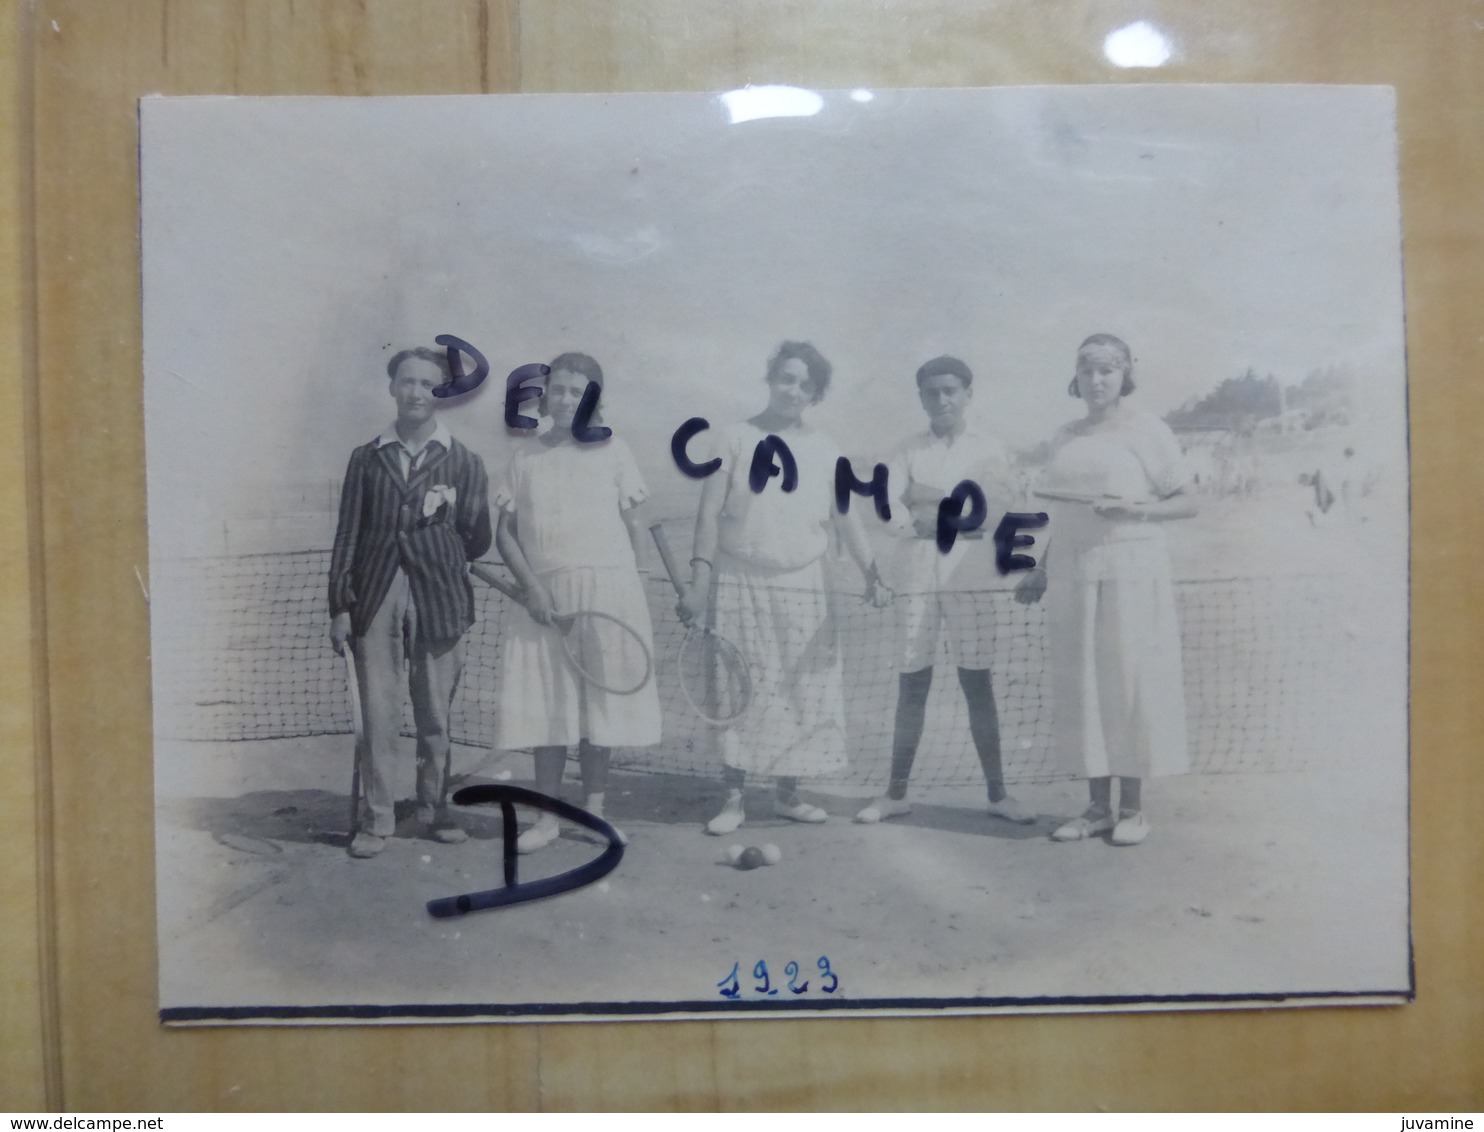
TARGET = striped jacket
(385,523)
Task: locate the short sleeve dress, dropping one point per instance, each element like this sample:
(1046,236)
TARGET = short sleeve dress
(770,597)
(1117,676)
(567,500)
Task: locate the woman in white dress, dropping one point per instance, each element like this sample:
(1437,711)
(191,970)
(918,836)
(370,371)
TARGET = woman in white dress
(758,578)
(568,530)
(1115,642)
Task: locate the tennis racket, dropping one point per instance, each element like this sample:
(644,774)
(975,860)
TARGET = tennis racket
(714,677)
(1091,498)
(606,651)
(358,729)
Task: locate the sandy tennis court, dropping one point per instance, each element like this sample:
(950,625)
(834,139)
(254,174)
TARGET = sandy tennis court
(1248,885)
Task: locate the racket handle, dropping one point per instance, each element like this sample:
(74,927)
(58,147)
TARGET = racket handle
(667,556)
(357,727)
(490,578)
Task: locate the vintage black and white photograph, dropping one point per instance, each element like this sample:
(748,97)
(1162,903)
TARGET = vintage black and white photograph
(902,550)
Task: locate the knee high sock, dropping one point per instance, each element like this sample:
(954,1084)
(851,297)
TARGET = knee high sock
(984,725)
(593,760)
(550,762)
(912,695)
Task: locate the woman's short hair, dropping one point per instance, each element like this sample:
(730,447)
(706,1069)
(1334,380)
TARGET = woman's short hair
(945,363)
(819,368)
(438,357)
(1116,343)
(581,364)
(574,362)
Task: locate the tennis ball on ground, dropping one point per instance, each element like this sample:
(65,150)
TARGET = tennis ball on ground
(751,858)
(734,854)
(771,854)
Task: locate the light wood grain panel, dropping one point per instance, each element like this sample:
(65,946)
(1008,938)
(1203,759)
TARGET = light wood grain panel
(93,61)
(23,1021)
(100,56)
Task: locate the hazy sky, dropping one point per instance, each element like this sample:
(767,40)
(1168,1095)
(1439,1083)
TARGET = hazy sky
(292,245)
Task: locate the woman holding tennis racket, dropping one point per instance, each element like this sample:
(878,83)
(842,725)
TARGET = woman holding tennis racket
(567,515)
(1115,477)
(758,580)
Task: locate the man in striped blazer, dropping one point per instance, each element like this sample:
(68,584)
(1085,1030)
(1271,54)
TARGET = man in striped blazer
(414,512)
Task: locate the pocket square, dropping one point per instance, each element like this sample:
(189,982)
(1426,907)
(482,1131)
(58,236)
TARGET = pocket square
(437,496)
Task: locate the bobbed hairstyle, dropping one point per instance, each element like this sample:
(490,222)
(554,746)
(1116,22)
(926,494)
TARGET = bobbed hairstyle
(1113,342)
(942,364)
(581,364)
(819,368)
(577,363)
(438,357)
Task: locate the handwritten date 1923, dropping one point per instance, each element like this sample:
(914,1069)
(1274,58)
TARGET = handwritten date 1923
(731,986)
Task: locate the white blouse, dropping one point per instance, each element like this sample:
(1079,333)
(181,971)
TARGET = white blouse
(776,529)
(568,502)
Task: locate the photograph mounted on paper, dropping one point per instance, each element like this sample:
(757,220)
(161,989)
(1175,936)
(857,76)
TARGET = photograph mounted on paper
(777,552)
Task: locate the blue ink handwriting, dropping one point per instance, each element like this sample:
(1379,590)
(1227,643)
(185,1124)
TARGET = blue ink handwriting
(824,968)
(760,971)
(1007,538)
(961,513)
(513,891)
(952,521)
(519,387)
(517,390)
(764,465)
(461,382)
(730,985)
(730,988)
(846,484)
(582,431)
(678,442)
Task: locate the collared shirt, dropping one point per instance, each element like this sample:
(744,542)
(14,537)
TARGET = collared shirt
(928,465)
(410,456)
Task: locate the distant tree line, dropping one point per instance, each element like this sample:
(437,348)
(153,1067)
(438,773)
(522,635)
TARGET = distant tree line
(1240,404)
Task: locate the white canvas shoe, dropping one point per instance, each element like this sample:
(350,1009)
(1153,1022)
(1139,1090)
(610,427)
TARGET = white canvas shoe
(1131,829)
(539,836)
(799,811)
(883,808)
(730,818)
(1090,824)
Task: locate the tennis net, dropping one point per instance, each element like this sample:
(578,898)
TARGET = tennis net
(242,652)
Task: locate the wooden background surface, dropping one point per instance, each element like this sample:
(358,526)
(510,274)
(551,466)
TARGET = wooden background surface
(77,948)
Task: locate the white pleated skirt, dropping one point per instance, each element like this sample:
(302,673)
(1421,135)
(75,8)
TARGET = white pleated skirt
(783,622)
(541,701)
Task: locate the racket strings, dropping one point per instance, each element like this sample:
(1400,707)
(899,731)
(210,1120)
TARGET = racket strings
(606,652)
(713,675)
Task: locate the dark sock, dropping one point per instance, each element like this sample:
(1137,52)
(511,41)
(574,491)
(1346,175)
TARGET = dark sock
(1129,794)
(594,763)
(1100,794)
(787,788)
(984,726)
(735,779)
(550,763)
(912,696)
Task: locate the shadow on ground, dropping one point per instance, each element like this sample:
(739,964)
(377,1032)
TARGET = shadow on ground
(259,821)
(971,820)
